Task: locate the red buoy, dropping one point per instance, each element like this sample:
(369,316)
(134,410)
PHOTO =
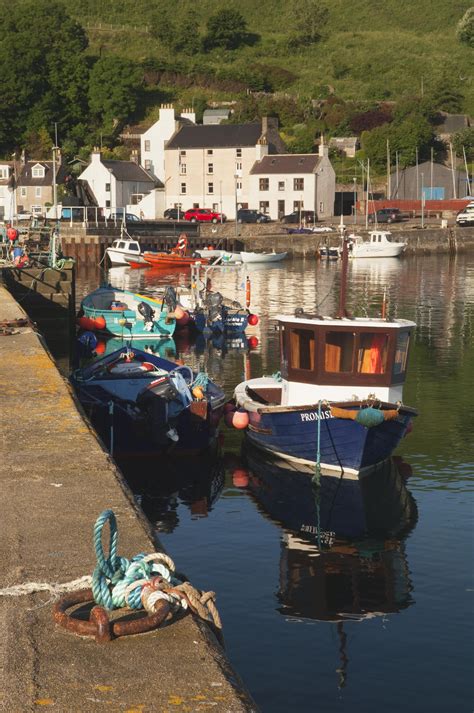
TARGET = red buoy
(240,419)
(253,319)
(240,478)
(12,234)
(91,323)
(100,348)
(252,342)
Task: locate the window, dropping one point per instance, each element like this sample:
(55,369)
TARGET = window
(372,356)
(238,185)
(183,188)
(210,152)
(107,204)
(147,145)
(35,209)
(148,164)
(238,166)
(182,153)
(3,172)
(238,153)
(210,168)
(37,172)
(264,206)
(297,205)
(401,353)
(215,207)
(121,246)
(182,169)
(133,246)
(302,349)
(281,185)
(23,191)
(210,188)
(339,351)
(321,207)
(264,184)
(107,187)
(298,184)
(37,191)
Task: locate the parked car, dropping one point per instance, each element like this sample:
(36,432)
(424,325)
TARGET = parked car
(300,216)
(386,215)
(174,213)
(250,215)
(466,215)
(203,215)
(129,217)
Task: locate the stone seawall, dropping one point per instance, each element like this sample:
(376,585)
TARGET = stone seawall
(274,237)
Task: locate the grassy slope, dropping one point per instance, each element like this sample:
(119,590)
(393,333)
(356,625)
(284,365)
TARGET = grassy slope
(369,50)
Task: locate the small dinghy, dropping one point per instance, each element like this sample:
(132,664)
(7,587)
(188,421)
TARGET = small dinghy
(262,257)
(139,402)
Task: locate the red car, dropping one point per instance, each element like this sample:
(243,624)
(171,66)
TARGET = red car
(203,215)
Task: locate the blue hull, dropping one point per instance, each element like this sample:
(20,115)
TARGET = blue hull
(344,444)
(233,324)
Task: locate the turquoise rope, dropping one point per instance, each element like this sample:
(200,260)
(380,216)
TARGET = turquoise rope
(202,379)
(316,480)
(114,574)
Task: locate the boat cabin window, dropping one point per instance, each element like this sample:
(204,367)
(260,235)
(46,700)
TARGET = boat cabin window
(372,353)
(401,353)
(121,245)
(115,244)
(302,349)
(339,351)
(134,246)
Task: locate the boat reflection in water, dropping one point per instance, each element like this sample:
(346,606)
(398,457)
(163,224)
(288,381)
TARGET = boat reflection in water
(363,573)
(161,486)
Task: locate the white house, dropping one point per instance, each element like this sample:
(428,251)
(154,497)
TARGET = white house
(284,183)
(208,166)
(7,193)
(121,184)
(152,141)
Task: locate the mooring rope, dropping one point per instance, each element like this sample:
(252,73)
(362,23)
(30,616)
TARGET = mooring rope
(316,479)
(140,582)
(18,590)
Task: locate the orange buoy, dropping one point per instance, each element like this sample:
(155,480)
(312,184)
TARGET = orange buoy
(100,347)
(91,323)
(240,419)
(253,319)
(240,478)
(247,291)
(252,342)
(198,393)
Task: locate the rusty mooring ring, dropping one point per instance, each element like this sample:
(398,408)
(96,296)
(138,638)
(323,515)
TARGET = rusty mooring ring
(99,625)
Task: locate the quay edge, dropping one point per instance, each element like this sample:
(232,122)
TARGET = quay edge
(56,478)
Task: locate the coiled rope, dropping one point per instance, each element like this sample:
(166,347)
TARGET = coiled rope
(140,582)
(202,380)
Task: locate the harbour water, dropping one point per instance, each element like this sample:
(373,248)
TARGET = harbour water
(379,622)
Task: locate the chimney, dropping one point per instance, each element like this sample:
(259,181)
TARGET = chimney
(323,149)
(261,148)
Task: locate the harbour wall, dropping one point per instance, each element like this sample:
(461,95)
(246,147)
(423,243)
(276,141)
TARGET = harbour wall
(55,479)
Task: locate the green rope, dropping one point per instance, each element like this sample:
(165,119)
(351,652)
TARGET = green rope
(117,582)
(202,379)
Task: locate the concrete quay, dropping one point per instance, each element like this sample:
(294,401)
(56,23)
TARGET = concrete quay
(56,478)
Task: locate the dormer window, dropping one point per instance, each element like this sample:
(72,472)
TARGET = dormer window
(37,171)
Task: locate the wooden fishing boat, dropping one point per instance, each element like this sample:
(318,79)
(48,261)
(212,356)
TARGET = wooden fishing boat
(262,257)
(139,402)
(126,314)
(338,400)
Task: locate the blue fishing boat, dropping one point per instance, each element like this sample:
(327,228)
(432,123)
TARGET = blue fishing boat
(126,314)
(141,403)
(337,401)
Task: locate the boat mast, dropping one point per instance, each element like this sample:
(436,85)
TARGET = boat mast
(342,311)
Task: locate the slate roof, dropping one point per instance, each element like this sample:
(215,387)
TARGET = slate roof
(128,171)
(203,136)
(287,163)
(26,178)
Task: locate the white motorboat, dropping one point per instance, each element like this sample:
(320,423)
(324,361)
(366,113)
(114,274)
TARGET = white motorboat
(379,244)
(262,257)
(124,250)
(222,256)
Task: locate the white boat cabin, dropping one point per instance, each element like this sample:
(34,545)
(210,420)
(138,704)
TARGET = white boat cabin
(338,360)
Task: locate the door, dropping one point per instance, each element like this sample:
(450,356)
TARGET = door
(281,209)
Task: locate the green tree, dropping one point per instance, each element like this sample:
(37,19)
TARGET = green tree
(44,69)
(465,28)
(307,19)
(405,137)
(115,86)
(226,29)
(464,139)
